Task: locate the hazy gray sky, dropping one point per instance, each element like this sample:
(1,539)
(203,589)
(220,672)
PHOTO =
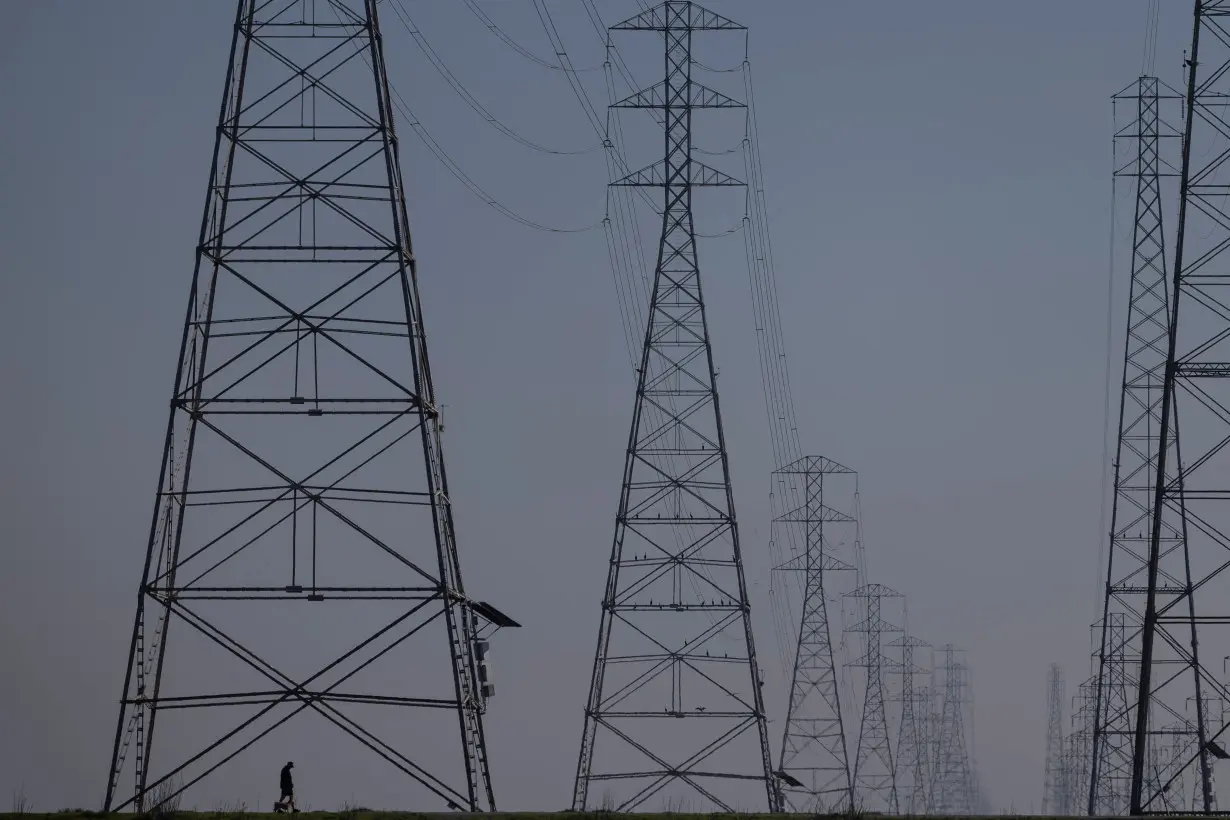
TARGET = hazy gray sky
(938,186)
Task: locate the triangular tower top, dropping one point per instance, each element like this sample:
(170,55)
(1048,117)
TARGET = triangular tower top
(677,14)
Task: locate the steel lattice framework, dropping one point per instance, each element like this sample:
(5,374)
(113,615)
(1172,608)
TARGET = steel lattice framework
(1190,485)
(1136,461)
(914,742)
(303,529)
(813,773)
(675,678)
(1053,780)
(1111,739)
(1077,750)
(953,787)
(875,772)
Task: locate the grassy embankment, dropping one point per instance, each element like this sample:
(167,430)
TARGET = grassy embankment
(240,813)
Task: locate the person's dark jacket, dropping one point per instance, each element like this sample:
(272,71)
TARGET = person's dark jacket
(288,785)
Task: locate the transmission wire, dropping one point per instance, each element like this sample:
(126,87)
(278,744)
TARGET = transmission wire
(785,450)
(433,57)
(1149,58)
(1104,464)
(450,164)
(513,44)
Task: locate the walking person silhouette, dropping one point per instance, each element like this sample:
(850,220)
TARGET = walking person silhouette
(287,785)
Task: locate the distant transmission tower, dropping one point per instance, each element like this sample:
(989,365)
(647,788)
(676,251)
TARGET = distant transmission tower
(1077,750)
(875,774)
(813,773)
(302,531)
(912,763)
(1053,782)
(954,779)
(1067,806)
(1179,798)
(675,679)
(1136,461)
(1111,767)
(1167,772)
(1189,489)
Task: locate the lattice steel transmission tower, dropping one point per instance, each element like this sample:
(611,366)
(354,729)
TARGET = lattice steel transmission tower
(1136,460)
(1110,784)
(1180,798)
(954,782)
(1190,493)
(875,773)
(1166,766)
(302,531)
(686,713)
(1078,747)
(912,763)
(1067,805)
(1053,781)
(813,773)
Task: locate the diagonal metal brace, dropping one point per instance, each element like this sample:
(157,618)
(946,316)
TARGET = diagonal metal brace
(676,15)
(698,174)
(695,96)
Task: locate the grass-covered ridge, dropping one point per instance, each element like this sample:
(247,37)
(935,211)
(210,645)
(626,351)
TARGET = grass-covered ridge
(240,813)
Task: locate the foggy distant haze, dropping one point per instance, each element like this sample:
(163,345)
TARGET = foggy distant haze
(938,184)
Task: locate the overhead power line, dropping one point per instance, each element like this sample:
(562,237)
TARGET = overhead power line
(416,33)
(513,44)
(403,108)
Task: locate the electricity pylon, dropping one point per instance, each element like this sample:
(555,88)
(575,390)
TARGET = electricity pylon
(676,690)
(1189,489)
(1077,747)
(912,763)
(813,773)
(954,780)
(302,530)
(875,773)
(1136,459)
(1111,767)
(1053,780)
